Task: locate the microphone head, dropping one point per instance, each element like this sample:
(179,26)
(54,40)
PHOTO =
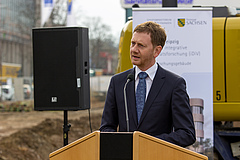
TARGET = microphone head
(130,77)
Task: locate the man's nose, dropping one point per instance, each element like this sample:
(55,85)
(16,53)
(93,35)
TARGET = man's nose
(134,48)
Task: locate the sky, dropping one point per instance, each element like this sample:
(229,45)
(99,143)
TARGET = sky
(110,11)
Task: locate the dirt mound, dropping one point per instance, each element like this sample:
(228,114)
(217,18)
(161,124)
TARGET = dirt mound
(36,143)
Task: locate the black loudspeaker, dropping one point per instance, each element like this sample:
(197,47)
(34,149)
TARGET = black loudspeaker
(61,68)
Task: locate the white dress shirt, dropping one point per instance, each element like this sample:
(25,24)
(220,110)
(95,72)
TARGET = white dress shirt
(151,74)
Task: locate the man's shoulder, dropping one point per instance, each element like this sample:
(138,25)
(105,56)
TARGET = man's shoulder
(124,74)
(121,78)
(168,74)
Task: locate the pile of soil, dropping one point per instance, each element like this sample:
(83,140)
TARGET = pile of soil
(37,142)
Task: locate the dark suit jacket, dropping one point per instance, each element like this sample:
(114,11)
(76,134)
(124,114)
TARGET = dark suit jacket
(166,114)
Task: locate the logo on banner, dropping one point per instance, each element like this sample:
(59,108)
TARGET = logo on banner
(48,3)
(69,3)
(181,22)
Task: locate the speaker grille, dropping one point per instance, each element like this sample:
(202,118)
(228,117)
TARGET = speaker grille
(60,57)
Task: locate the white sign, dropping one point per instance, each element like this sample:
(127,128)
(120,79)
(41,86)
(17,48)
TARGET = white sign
(187,52)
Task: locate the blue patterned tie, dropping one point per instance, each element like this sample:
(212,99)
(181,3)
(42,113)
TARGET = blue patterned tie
(141,93)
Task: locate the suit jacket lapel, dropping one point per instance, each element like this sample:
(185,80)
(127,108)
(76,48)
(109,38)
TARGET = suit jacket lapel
(157,84)
(131,99)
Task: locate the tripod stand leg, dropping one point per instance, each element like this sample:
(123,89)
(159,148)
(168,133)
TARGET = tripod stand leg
(66,128)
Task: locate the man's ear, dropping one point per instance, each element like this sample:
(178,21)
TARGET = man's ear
(157,51)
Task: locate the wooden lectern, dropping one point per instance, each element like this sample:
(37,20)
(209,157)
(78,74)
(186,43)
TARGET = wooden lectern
(123,146)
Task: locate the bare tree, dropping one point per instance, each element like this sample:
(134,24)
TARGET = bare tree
(101,40)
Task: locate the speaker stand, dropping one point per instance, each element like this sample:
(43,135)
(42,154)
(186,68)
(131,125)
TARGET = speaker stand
(66,128)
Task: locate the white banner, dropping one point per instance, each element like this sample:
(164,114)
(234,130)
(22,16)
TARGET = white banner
(152,3)
(181,3)
(46,10)
(188,52)
(71,21)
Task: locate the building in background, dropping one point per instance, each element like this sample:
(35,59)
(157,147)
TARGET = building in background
(198,118)
(17,18)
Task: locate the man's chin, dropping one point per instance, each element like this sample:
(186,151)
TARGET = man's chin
(135,62)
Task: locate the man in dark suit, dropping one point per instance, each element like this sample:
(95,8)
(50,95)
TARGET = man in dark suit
(163,111)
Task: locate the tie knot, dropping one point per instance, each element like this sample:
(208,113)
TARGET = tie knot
(142,75)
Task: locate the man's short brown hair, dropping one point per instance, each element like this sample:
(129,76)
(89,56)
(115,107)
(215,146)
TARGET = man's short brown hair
(157,33)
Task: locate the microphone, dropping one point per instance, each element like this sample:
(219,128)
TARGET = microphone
(130,77)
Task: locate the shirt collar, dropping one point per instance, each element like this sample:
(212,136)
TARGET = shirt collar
(151,71)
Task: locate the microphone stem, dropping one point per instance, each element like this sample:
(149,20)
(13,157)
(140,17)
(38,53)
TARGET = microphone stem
(126,108)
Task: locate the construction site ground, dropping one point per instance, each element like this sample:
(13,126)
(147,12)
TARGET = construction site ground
(34,135)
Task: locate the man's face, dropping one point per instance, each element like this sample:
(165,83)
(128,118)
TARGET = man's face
(142,53)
